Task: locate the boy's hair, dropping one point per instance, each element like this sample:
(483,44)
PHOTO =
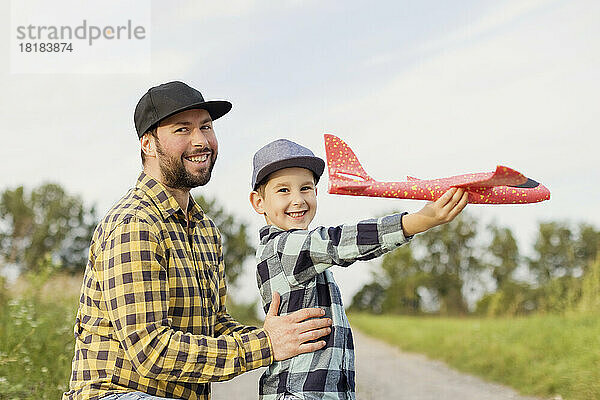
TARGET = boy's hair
(260,187)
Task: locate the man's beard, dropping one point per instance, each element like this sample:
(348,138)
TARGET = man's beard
(176,176)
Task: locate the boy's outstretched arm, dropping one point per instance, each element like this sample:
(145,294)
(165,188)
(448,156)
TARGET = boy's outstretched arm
(439,212)
(289,333)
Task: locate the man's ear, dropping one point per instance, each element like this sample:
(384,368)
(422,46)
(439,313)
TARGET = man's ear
(148,144)
(257,202)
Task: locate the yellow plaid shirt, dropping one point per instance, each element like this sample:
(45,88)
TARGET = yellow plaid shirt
(152,314)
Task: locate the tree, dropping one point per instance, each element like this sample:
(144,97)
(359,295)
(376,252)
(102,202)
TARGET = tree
(504,253)
(561,250)
(403,278)
(394,287)
(586,249)
(511,297)
(555,255)
(515,298)
(450,260)
(447,260)
(587,245)
(17,221)
(563,260)
(47,222)
(369,298)
(590,293)
(236,243)
(440,261)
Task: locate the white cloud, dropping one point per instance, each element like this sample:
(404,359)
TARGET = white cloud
(500,16)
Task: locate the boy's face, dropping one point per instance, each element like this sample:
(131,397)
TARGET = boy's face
(290,199)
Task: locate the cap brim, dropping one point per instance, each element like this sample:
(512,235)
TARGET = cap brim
(216,109)
(314,164)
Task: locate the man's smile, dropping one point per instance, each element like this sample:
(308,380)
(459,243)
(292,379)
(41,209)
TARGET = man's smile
(198,158)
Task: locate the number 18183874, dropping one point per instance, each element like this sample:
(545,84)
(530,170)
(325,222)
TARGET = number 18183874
(45,47)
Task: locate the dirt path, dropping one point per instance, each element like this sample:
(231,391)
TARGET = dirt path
(387,373)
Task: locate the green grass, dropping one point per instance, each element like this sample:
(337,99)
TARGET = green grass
(540,355)
(36,348)
(36,336)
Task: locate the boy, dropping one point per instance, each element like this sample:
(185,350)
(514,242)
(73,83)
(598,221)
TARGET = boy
(294,262)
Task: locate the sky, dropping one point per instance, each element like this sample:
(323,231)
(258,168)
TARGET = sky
(421,88)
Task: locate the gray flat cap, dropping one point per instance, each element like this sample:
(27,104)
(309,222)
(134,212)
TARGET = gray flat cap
(283,153)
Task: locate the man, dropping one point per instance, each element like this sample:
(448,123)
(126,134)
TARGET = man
(152,321)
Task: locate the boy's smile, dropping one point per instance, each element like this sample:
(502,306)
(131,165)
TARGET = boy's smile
(289,200)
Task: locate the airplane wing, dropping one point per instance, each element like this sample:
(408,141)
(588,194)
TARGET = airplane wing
(503,176)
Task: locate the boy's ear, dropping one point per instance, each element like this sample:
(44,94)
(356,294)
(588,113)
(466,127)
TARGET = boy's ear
(257,202)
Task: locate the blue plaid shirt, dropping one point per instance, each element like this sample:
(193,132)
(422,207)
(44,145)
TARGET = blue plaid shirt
(295,263)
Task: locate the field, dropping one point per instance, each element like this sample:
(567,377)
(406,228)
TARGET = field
(36,337)
(36,345)
(545,355)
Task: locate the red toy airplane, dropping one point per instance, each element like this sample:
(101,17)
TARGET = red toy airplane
(504,186)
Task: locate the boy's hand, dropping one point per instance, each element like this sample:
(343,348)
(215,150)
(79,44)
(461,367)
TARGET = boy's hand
(441,211)
(289,333)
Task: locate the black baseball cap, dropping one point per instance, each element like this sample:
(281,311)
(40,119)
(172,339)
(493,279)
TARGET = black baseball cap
(170,98)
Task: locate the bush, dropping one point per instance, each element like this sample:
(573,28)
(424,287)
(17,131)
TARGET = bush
(36,348)
(590,289)
(513,300)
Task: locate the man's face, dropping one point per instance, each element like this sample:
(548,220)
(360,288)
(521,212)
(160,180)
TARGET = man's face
(186,149)
(290,198)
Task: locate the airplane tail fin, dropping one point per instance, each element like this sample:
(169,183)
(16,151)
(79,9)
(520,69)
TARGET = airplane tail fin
(345,171)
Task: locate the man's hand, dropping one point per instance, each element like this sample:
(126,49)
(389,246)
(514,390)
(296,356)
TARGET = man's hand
(441,211)
(290,333)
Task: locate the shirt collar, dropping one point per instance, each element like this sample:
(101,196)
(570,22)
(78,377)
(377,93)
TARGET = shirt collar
(267,232)
(165,201)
